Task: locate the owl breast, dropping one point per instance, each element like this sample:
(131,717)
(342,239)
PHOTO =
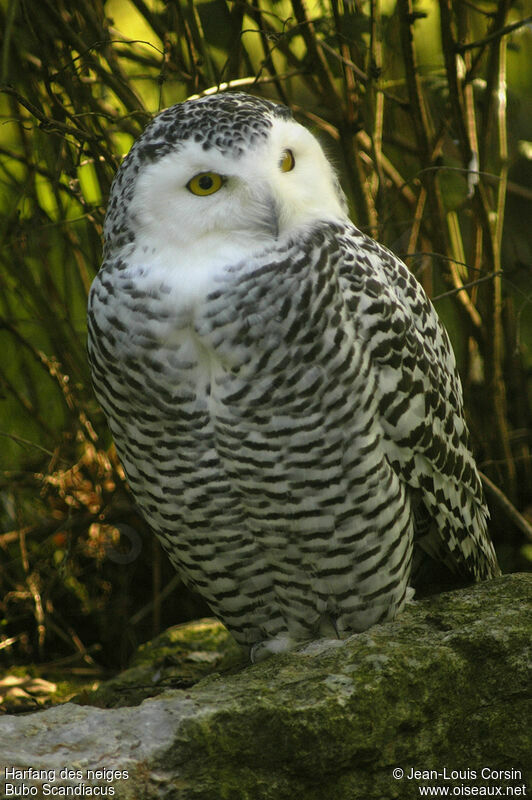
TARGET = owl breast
(247,423)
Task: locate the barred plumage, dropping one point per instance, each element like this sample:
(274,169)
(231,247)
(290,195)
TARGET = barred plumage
(282,395)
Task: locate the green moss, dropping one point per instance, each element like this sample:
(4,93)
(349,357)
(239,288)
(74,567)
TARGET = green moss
(446,685)
(178,658)
(420,691)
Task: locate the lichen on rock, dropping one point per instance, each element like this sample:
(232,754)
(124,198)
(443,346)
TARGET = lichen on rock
(444,687)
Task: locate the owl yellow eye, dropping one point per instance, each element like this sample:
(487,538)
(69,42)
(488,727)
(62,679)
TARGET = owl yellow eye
(205,183)
(287,162)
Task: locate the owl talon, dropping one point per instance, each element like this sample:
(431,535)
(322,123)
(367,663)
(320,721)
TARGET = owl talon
(269,647)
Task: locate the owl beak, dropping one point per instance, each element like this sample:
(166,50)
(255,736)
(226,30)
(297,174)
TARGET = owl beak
(272,219)
(267,219)
(262,210)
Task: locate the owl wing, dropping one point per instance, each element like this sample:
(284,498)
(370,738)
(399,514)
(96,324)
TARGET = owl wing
(420,405)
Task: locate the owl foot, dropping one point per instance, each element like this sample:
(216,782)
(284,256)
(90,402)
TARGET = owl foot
(269,647)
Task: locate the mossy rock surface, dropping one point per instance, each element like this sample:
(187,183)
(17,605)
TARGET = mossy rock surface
(445,689)
(176,659)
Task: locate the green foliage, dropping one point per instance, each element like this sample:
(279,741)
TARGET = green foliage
(426,109)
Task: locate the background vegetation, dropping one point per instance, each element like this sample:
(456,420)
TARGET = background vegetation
(426,109)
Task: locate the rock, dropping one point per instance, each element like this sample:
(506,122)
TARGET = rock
(444,691)
(177,658)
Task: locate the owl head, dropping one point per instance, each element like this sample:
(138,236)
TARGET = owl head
(227,168)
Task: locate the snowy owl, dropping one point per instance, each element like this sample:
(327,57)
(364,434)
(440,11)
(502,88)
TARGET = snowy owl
(283,398)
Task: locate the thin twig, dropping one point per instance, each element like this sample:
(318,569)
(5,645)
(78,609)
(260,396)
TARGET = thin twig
(26,442)
(498,34)
(508,507)
(47,123)
(315,52)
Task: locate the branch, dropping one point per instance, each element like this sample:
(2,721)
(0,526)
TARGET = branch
(508,507)
(419,116)
(315,52)
(461,48)
(46,122)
